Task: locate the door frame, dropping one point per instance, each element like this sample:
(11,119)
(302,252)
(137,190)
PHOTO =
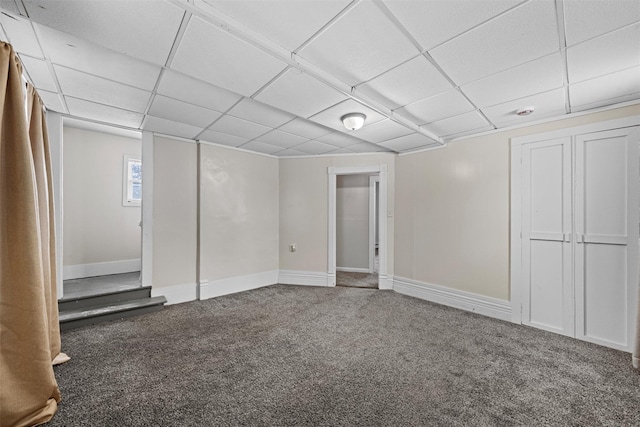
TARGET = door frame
(516,201)
(383,281)
(373,216)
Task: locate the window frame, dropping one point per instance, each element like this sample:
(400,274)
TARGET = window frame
(127,181)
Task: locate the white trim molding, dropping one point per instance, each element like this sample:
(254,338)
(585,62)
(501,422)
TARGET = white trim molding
(303,278)
(487,306)
(385,282)
(231,285)
(176,294)
(353,270)
(79,271)
(147,209)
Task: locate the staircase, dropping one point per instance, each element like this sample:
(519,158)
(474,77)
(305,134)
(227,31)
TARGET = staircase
(75,312)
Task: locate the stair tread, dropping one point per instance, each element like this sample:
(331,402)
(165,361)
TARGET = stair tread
(65,299)
(95,311)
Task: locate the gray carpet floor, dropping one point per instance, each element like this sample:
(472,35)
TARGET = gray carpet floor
(287,355)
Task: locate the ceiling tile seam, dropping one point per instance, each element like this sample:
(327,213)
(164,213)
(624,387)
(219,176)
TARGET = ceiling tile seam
(615,30)
(52,71)
(392,18)
(270,82)
(562,40)
(386,71)
(604,75)
(231,147)
(545,90)
(326,26)
(103,78)
(186,17)
(85,119)
(255,39)
(468,30)
(220,117)
(22,8)
(104,105)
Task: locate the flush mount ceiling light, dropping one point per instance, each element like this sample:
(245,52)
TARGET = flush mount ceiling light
(353,121)
(526,111)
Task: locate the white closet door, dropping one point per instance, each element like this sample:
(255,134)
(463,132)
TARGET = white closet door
(606,234)
(547,300)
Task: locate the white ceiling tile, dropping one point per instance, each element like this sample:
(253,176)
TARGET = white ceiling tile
(587,19)
(339,139)
(405,84)
(305,128)
(95,89)
(222,138)
(281,139)
(381,131)
(258,112)
(331,116)
(239,127)
(446,104)
(454,125)
(10,6)
(546,104)
(612,88)
(612,52)
(407,142)
(73,52)
(533,77)
(299,94)
(290,153)
(224,60)
(179,86)
(171,109)
(287,23)
(520,35)
(315,147)
(103,113)
(355,56)
(39,72)
(261,147)
(342,151)
(169,127)
(142,29)
(434,22)
(21,35)
(53,103)
(366,147)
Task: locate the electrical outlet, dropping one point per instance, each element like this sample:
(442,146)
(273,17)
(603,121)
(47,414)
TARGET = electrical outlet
(292,247)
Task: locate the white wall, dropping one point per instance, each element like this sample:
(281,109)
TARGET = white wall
(174,216)
(452,210)
(238,218)
(97,228)
(352,222)
(304,203)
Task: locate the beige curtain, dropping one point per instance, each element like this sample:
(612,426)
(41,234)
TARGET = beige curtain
(29,329)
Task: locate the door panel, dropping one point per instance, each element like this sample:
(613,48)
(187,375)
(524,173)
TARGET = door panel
(606,233)
(547,296)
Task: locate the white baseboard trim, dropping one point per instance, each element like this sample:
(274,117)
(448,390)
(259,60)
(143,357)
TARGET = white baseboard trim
(385,282)
(231,285)
(487,306)
(304,278)
(79,271)
(176,294)
(352,270)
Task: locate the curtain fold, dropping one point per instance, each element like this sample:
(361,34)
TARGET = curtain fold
(29,329)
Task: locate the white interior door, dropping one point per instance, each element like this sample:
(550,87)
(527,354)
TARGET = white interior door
(547,299)
(606,234)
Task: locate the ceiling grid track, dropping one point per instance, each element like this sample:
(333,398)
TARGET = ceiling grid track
(241,32)
(52,70)
(430,58)
(562,37)
(172,53)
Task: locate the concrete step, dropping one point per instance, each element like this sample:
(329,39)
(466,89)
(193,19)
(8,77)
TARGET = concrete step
(103,299)
(90,315)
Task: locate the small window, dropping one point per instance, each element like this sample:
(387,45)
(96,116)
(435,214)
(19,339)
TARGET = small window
(132,181)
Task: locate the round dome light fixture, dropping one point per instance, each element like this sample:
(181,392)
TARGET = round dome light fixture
(526,111)
(353,121)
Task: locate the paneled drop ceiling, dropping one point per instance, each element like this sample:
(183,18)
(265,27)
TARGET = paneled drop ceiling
(275,76)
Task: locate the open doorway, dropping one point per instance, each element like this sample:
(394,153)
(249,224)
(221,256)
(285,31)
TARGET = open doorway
(366,266)
(102,187)
(355,231)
